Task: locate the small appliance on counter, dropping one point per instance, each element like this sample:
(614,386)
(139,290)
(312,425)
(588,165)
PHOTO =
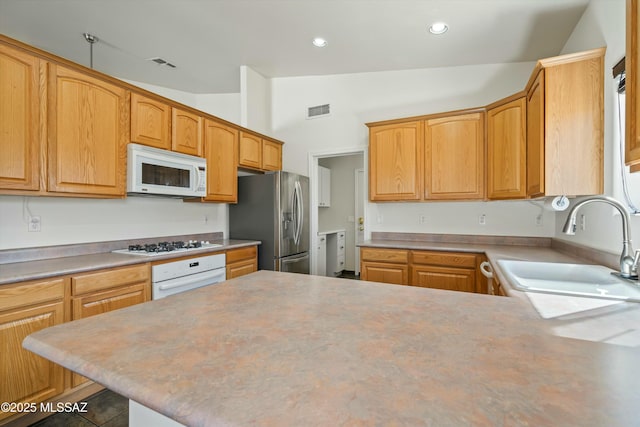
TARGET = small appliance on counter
(274,208)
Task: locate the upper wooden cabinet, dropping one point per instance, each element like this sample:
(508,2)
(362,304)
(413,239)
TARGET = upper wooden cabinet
(454,157)
(221,152)
(20,130)
(88,131)
(395,161)
(150,122)
(565,125)
(507,149)
(632,81)
(186,132)
(255,152)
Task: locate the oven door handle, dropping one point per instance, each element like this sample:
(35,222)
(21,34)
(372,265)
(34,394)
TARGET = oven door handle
(216,277)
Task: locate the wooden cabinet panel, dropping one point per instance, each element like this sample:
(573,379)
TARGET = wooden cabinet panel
(150,122)
(27,308)
(632,70)
(221,152)
(507,150)
(454,157)
(186,132)
(271,155)
(250,151)
(384,255)
(449,259)
(88,131)
(395,161)
(234,255)
(447,278)
(535,137)
(20,121)
(397,274)
(105,279)
(241,261)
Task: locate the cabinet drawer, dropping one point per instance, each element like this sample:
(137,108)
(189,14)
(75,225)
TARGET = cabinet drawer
(234,255)
(388,255)
(91,282)
(28,293)
(449,259)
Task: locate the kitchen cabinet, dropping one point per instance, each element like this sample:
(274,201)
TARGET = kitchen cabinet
(335,252)
(259,153)
(384,265)
(26,308)
(321,255)
(443,270)
(632,81)
(186,132)
(150,122)
(241,261)
(107,290)
(221,151)
(324,187)
(454,157)
(88,130)
(507,149)
(565,125)
(20,120)
(395,160)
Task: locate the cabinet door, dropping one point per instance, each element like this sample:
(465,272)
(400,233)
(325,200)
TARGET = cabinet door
(632,59)
(397,274)
(448,278)
(271,155)
(535,137)
(241,268)
(186,132)
(395,161)
(321,256)
(454,157)
(20,121)
(324,187)
(150,122)
(250,151)
(221,152)
(88,132)
(507,150)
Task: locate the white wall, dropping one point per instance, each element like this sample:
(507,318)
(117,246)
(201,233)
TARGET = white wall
(603,24)
(255,99)
(367,97)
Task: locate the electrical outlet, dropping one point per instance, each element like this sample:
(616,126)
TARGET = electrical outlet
(539,220)
(482,219)
(34,223)
(380,219)
(583,222)
(422,219)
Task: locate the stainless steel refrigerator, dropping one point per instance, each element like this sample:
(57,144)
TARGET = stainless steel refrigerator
(274,208)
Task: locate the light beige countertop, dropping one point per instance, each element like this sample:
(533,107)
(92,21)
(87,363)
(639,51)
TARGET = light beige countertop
(50,267)
(283,349)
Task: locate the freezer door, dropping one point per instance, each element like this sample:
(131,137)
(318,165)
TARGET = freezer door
(294,214)
(294,264)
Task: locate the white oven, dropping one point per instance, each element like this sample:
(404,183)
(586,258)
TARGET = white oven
(178,276)
(166,173)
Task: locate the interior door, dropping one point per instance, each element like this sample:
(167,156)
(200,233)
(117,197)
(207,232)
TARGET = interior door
(359,215)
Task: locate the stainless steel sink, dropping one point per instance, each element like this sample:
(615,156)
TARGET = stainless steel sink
(585,280)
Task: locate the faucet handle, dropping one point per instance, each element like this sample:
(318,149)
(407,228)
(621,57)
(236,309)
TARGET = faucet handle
(636,261)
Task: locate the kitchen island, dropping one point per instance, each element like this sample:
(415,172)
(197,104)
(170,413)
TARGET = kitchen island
(281,349)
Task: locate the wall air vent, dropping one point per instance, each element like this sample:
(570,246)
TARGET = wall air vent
(318,111)
(161,61)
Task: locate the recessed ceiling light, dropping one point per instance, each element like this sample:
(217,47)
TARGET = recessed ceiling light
(319,42)
(438,28)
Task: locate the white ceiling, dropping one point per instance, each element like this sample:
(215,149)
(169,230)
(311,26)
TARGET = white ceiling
(208,40)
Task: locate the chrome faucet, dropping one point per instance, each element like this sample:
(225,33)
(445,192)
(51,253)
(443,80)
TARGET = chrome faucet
(628,262)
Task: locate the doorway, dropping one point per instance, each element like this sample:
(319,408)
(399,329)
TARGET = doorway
(342,209)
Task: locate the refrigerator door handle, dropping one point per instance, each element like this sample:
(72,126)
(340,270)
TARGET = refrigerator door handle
(299,213)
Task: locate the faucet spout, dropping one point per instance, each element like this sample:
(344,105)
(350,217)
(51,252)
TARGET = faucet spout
(628,268)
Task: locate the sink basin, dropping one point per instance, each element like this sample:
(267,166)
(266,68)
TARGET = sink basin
(585,280)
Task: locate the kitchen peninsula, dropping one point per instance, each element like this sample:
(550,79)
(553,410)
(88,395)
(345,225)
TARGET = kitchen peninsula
(274,348)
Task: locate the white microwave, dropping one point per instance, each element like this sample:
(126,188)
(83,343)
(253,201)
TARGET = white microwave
(164,173)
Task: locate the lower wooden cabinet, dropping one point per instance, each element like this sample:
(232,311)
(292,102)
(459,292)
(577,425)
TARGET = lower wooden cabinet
(26,308)
(454,271)
(242,261)
(107,290)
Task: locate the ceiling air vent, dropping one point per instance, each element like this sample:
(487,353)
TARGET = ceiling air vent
(161,61)
(318,111)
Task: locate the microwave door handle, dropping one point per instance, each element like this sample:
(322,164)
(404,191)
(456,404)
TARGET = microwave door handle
(197,172)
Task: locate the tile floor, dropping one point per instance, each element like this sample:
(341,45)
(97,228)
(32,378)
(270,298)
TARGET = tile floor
(104,409)
(349,275)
